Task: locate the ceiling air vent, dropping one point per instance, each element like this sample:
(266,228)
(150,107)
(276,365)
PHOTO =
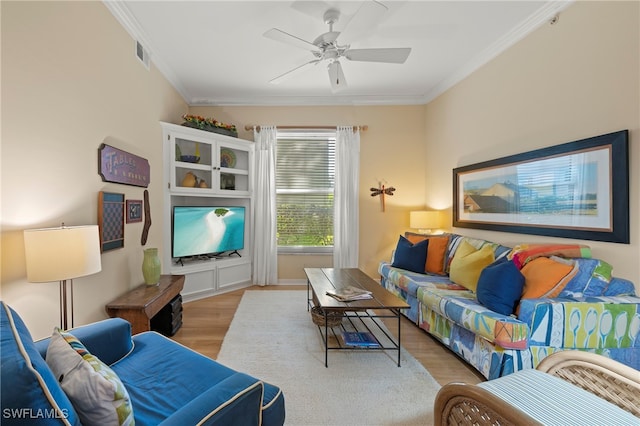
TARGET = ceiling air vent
(142,54)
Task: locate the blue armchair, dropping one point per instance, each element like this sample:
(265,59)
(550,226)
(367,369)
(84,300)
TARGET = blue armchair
(167,383)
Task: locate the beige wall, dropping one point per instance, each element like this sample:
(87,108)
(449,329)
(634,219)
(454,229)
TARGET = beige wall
(392,152)
(576,79)
(70,81)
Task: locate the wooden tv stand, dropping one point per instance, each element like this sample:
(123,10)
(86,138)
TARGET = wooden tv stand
(139,305)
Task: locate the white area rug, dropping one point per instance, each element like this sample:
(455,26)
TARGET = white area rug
(273,338)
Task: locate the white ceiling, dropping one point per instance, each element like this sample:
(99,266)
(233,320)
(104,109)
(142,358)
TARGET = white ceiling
(214,53)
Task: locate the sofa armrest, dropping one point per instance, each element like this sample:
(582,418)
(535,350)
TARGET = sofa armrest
(109,340)
(236,400)
(583,322)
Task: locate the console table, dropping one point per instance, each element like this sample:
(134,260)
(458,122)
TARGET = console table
(139,305)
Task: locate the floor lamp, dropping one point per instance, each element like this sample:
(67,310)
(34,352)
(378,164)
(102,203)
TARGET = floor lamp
(62,254)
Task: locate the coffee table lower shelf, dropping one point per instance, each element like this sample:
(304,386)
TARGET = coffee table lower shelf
(360,321)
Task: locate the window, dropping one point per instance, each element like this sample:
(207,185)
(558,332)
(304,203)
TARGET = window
(305,177)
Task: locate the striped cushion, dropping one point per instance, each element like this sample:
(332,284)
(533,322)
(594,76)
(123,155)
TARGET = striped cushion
(553,401)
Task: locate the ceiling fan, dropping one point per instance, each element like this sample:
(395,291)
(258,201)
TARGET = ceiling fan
(325,48)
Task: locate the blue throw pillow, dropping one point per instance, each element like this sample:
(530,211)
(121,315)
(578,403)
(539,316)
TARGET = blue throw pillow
(411,257)
(500,286)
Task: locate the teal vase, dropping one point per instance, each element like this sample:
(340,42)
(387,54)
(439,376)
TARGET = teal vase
(151,266)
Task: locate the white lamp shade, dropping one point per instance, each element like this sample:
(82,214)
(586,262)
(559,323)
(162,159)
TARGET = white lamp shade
(56,254)
(424,219)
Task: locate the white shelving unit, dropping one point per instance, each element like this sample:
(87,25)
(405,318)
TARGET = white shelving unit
(207,169)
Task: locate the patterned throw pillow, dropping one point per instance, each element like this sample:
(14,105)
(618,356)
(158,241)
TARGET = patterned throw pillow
(94,389)
(524,253)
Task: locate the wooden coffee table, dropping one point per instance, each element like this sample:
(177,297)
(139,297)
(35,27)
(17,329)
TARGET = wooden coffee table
(360,315)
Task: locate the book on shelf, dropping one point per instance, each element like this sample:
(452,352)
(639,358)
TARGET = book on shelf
(360,339)
(350,293)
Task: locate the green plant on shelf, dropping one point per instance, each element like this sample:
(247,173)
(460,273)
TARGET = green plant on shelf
(203,123)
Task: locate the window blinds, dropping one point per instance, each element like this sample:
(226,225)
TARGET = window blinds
(305,176)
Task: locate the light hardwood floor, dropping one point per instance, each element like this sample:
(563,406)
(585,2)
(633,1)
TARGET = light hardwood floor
(206,321)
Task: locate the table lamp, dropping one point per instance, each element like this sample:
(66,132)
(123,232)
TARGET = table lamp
(424,221)
(62,254)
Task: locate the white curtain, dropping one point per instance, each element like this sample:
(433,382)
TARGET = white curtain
(265,251)
(346,234)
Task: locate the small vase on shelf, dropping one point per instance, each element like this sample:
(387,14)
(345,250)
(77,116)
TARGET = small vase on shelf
(151,266)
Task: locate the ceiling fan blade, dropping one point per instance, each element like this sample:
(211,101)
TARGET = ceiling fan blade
(364,20)
(282,77)
(281,36)
(388,55)
(336,76)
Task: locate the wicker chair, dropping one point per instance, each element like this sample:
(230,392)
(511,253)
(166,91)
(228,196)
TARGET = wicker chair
(463,404)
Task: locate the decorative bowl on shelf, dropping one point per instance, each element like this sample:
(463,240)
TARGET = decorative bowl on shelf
(189,158)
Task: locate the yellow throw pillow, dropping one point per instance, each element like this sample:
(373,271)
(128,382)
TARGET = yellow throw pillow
(468,263)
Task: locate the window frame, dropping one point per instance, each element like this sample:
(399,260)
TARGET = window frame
(306,135)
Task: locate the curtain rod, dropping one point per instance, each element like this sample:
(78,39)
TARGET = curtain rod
(363,128)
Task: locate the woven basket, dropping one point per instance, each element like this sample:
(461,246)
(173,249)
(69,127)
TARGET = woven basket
(334,318)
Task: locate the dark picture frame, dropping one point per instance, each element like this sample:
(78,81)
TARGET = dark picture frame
(134,211)
(111,220)
(577,190)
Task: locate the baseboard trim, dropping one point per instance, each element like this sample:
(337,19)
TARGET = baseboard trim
(197,295)
(293,281)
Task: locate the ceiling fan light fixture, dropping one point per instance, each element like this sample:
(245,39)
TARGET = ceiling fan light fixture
(331,54)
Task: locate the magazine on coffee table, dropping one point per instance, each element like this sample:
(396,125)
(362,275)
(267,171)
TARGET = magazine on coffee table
(360,339)
(349,294)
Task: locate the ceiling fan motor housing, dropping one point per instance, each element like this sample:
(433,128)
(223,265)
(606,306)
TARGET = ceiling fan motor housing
(325,40)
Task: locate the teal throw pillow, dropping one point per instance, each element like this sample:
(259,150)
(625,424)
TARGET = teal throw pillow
(500,286)
(411,257)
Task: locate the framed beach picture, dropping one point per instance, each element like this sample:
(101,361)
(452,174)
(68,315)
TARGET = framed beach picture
(577,190)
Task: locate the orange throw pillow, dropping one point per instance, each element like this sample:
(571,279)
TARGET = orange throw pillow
(545,278)
(435,253)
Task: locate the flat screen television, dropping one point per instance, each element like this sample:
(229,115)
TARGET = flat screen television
(207,230)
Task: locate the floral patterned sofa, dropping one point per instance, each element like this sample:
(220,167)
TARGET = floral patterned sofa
(585,309)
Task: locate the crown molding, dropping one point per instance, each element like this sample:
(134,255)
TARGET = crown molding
(124,16)
(542,16)
(334,100)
